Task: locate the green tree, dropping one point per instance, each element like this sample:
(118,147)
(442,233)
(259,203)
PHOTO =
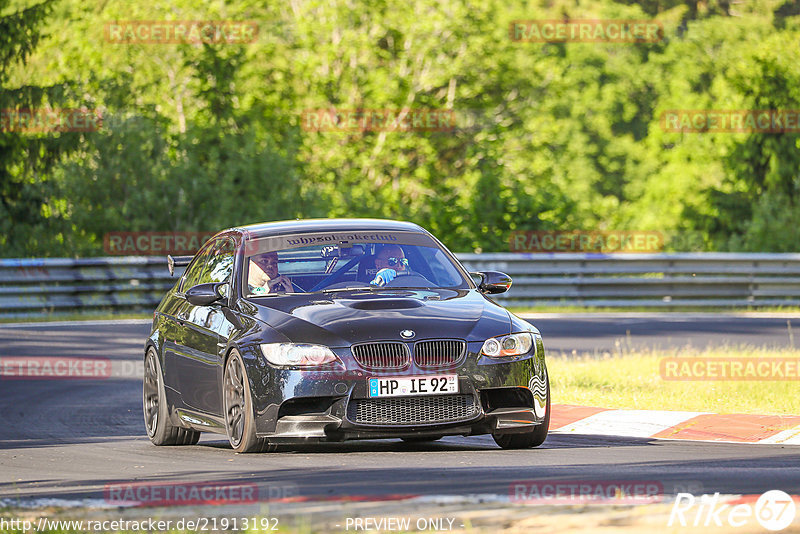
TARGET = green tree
(549,135)
(28,208)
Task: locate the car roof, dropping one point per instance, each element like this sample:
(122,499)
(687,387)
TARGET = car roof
(254,231)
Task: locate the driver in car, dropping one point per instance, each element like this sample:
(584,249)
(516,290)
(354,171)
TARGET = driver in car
(388,262)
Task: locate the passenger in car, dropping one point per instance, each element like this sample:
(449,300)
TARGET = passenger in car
(263,275)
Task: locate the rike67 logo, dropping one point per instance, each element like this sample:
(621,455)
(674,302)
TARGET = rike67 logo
(774,510)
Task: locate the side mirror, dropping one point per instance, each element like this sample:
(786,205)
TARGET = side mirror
(204,294)
(493,282)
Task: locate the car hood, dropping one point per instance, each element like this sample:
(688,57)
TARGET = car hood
(342,319)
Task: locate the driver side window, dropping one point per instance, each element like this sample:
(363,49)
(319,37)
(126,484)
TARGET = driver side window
(213,264)
(195,270)
(219,265)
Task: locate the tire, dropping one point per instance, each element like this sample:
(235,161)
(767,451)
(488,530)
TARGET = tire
(240,421)
(422,439)
(154,405)
(526,440)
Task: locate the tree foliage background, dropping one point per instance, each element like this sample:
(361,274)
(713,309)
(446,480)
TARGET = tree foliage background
(551,135)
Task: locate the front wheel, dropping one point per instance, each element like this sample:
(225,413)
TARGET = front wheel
(240,422)
(526,440)
(154,404)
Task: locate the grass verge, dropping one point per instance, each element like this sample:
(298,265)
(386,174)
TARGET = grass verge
(634,380)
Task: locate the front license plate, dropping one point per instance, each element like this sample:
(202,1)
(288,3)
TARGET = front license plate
(412,385)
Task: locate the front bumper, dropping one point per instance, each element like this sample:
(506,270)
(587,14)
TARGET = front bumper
(342,418)
(493,398)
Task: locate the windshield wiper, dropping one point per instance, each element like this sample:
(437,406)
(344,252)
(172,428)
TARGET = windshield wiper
(373,288)
(337,290)
(354,288)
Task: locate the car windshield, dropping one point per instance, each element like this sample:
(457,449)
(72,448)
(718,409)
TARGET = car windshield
(342,261)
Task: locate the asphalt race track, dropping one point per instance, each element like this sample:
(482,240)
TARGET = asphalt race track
(71,439)
(597,333)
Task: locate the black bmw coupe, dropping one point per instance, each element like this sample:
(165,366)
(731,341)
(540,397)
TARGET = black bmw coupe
(337,329)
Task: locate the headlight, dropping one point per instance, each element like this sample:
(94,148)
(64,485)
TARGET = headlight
(298,355)
(511,345)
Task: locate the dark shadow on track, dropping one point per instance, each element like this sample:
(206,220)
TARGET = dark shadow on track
(724,476)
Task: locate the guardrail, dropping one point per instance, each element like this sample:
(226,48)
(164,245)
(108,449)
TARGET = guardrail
(646,280)
(35,287)
(58,286)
